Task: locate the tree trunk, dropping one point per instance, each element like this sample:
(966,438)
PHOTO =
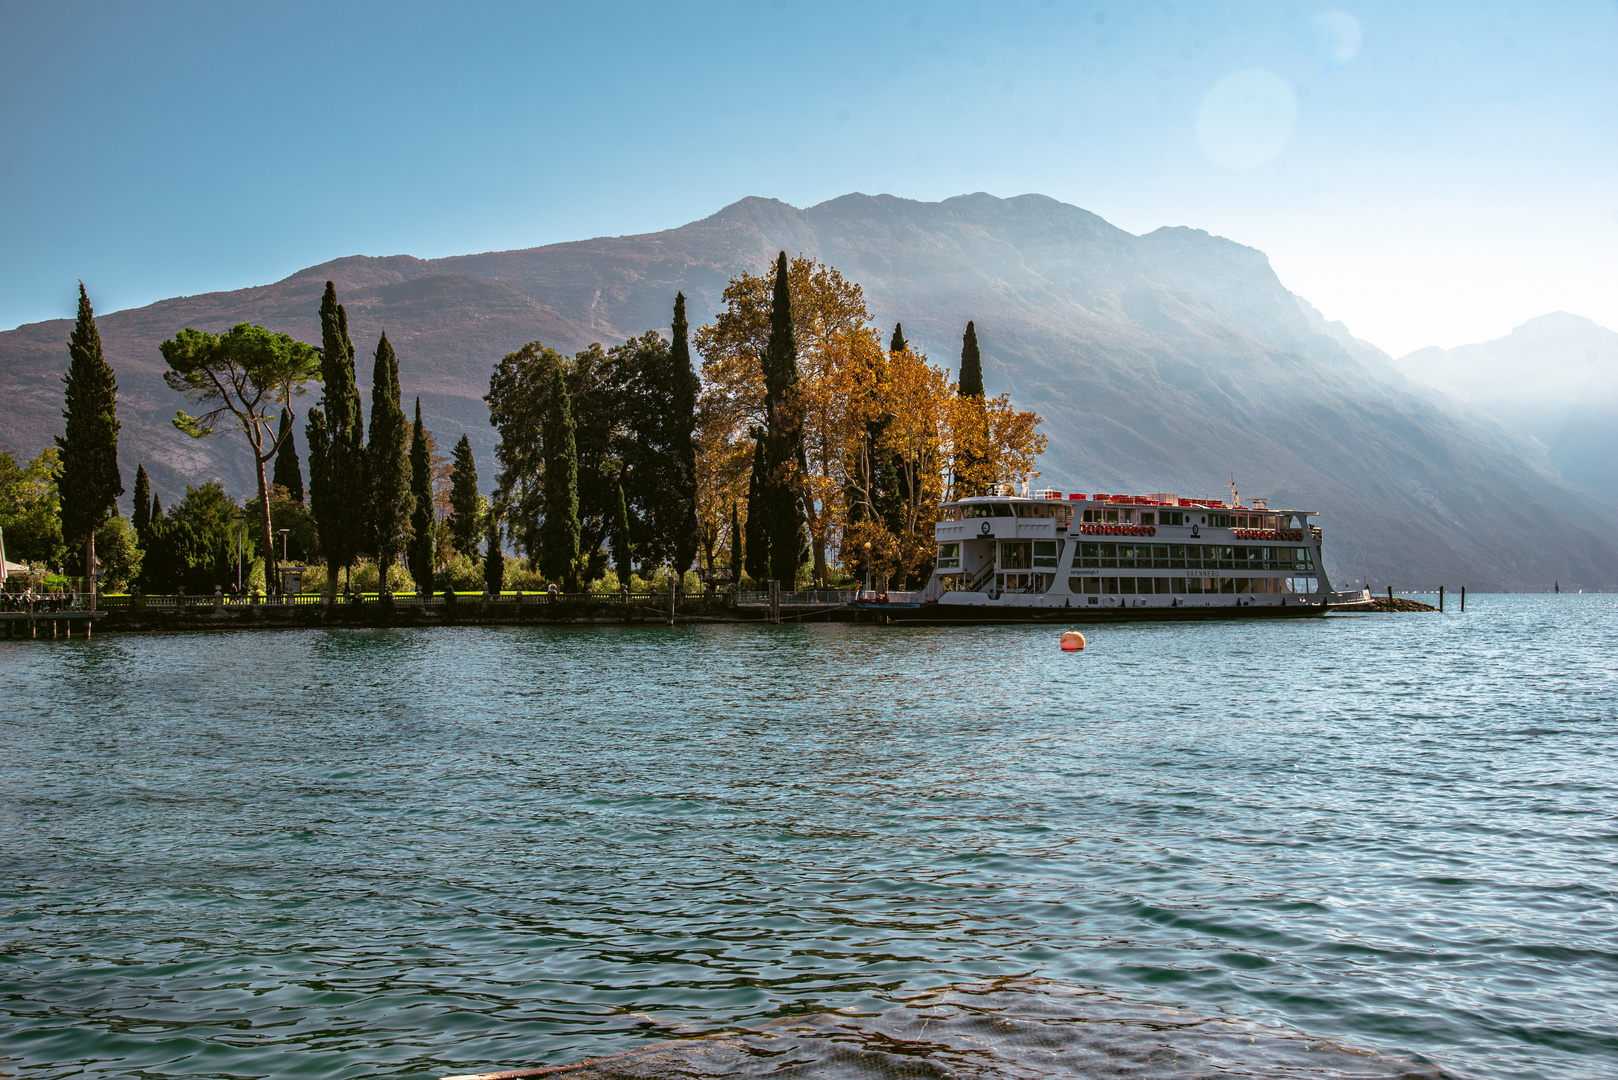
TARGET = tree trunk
(269,536)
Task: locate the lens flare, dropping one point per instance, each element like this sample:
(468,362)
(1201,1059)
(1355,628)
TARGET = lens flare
(1246,118)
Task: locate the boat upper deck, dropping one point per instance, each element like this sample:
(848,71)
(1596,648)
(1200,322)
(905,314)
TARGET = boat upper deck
(1049,513)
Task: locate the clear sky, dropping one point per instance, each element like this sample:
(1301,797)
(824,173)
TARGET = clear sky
(1428,173)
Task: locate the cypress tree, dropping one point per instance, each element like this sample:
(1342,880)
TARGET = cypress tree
(336,446)
(784,438)
(897,342)
(559,532)
(494,560)
(969,461)
(757,548)
(682,424)
(157,510)
(971,381)
(736,553)
(141,517)
(388,465)
(621,551)
(463,499)
(421,519)
(89,483)
(288,469)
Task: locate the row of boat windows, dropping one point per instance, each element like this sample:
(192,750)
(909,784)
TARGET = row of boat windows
(1194,557)
(1048,509)
(1129,586)
(1042,554)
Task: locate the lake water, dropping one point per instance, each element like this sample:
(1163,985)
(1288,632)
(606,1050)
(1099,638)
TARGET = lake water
(410,853)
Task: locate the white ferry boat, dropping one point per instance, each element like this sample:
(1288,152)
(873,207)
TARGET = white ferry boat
(1104,557)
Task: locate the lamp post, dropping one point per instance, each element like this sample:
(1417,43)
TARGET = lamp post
(867,587)
(279,578)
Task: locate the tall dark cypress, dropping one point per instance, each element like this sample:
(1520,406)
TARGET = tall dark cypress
(559,532)
(622,551)
(968,462)
(736,554)
(89,483)
(784,438)
(685,536)
(157,509)
(971,381)
(897,342)
(463,499)
(337,493)
(421,519)
(494,559)
(388,464)
(288,469)
(141,515)
(758,513)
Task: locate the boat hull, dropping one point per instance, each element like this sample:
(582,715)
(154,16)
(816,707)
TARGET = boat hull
(986,614)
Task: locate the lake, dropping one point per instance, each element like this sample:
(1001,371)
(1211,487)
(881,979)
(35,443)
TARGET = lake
(418,852)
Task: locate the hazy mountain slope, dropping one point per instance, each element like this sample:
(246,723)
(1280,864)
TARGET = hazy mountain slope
(1167,361)
(444,328)
(1554,378)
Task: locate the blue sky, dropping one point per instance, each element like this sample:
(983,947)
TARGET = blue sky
(1429,174)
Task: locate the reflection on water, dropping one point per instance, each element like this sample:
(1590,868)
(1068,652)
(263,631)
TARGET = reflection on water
(1007,1028)
(425,852)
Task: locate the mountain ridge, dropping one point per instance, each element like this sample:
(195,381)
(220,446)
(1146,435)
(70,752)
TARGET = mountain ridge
(1160,362)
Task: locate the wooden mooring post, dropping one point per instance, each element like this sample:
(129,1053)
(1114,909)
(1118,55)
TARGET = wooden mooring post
(1463,599)
(1441,598)
(775,602)
(1390,599)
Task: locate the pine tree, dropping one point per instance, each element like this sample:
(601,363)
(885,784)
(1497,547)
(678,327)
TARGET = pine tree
(388,465)
(784,437)
(757,547)
(89,483)
(969,461)
(141,516)
(897,342)
(157,510)
(494,559)
(288,470)
(336,446)
(622,552)
(421,520)
(463,499)
(736,553)
(559,532)
(681,425)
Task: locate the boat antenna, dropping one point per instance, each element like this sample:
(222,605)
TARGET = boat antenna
(1235,499)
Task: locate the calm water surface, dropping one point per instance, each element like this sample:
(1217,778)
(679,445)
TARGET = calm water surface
(409,853)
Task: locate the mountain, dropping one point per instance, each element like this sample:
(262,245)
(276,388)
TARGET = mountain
(1554,378)
(1168,361)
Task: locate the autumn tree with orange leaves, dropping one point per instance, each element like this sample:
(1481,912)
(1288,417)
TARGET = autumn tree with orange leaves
(883,430)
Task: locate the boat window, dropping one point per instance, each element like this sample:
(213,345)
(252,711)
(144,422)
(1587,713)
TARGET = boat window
(1045,552)
(1177,556)
(949,556)
(1112,517)
(982,510)
(1015,555)
(1109,554)
(1089,554)
(1160,556)
(1147,517)
(951,513)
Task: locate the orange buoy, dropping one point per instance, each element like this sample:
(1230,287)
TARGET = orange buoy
(1072,641)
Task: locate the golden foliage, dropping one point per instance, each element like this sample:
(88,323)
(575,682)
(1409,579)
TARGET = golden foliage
(850,389)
